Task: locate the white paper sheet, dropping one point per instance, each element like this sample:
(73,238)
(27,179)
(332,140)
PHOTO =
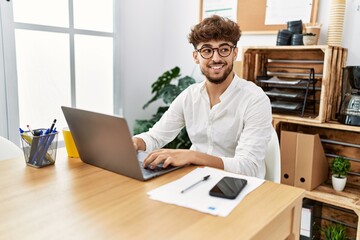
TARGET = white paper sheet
(282,11)
(223,8)
(198,197)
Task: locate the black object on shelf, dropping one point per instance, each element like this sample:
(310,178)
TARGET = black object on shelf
(284,37)
(295,26)
(287,99)
(297,39)
(350,102)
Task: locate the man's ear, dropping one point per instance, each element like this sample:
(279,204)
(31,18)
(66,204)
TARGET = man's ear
(236,50)
(196,57)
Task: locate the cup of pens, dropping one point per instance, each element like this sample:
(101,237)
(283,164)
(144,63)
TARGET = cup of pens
(39,147)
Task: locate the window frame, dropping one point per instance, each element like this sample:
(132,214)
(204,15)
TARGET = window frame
(9,122)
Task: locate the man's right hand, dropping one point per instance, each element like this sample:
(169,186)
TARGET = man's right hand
(139,144)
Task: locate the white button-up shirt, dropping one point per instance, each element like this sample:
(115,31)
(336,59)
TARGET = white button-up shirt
(237,129)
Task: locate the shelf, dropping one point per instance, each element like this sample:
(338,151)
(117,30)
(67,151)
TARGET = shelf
(264,62)
(285,94)
(286,105)
(331,125)
(289,99)
(349,198)
(337,140)
(276,80)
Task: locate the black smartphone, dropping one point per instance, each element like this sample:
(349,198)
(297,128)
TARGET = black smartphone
(228,187)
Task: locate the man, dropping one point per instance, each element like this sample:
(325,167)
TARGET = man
(228,119)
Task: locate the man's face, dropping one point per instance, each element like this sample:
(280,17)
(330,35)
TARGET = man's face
(216,67)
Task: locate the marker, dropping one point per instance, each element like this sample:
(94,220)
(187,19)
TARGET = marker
(31,131)
(52,126)
(191,186)
(26,137)
(34,132)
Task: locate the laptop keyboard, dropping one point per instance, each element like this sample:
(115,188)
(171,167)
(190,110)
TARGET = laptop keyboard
(158,168)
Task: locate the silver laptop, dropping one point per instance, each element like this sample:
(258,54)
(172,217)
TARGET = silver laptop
(105,141)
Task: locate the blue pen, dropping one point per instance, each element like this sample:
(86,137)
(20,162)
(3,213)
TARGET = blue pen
(45,147)
(37,158)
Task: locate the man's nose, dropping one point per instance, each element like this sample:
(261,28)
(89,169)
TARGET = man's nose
(216,56)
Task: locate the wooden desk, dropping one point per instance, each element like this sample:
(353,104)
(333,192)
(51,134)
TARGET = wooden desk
(73,200)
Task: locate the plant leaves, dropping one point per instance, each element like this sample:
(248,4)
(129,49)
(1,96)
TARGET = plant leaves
(185,82)
(169,93)
(340,166)
(162,81)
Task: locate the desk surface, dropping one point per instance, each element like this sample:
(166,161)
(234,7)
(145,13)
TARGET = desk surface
(73,200)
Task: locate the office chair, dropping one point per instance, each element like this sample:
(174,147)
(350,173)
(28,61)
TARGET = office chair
(9,149)
(272,159)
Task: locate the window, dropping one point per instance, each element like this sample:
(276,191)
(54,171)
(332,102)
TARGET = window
(64,56)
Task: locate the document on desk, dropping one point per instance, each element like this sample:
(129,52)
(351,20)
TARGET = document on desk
(198,197)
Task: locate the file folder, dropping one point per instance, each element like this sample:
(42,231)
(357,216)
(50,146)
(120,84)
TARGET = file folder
(288,157)
(303,160)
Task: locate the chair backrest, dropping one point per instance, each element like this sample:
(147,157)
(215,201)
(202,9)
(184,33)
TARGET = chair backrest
(272,159)
(9,149)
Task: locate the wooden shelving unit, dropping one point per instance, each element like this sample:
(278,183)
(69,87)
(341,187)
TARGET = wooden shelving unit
(337,139)
(338,133)
(349,198)
(326,61)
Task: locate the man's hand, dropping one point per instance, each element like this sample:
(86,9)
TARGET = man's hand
(174,157)
(181,157)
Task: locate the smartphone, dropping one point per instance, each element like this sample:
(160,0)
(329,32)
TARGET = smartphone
(228,187)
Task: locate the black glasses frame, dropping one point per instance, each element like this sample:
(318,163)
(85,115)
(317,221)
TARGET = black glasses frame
(217,49)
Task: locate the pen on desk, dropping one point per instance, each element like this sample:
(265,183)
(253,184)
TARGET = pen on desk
(194,184)
(52,126)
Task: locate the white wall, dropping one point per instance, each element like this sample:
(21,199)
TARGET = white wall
(155,40)
(351,37)
(142,50)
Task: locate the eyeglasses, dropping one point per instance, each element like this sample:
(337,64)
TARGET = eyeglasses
(207,52)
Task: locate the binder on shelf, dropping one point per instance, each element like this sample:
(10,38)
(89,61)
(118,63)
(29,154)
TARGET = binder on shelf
(306,223)
(311,163)
(310,220)
(303,160)
(288,157)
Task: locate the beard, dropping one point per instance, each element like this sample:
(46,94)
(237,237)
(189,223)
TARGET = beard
(218,79)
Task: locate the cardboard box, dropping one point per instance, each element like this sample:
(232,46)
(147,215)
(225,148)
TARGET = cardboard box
(303,160)
(288,157)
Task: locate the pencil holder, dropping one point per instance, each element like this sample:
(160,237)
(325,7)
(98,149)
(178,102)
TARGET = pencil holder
(39,151)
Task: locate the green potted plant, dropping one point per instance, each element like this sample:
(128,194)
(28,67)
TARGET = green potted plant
(334,232)
(309,38)
(165,88)
(340,167)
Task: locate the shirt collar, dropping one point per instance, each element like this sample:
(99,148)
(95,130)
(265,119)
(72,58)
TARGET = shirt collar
(235,81)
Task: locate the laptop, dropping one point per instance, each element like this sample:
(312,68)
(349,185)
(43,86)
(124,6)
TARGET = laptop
(105,141)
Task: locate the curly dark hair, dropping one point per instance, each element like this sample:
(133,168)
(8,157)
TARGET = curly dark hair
(215,28)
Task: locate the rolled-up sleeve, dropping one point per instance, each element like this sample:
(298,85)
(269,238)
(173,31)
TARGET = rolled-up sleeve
(167,128)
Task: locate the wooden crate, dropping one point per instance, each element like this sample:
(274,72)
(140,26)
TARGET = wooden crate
(337,140)
(327,62)
(344,141)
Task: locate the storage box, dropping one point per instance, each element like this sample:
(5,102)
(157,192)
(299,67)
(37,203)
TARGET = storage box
(294,62)
(303,160)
